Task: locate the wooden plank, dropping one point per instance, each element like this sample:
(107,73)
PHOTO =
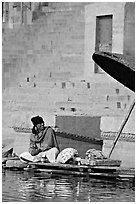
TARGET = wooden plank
(108,162)
(59,171)
(10,158)
(71,167)
(102,162)
(105,167)
(65,166)
(65,172)
(110,175)
(126,176)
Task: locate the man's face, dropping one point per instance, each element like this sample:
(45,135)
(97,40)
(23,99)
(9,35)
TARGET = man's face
(40,126)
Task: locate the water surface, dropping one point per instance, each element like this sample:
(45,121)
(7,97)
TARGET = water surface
(20,186)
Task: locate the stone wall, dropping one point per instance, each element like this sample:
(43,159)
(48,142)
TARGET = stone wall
(51,48)
(129,30)
(124,151)
(122,31)
(49,99)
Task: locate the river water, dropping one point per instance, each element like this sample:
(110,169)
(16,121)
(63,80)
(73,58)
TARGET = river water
(18,186)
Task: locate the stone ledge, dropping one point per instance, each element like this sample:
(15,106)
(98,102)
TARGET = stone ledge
(80,138)
(63,134)
(129,137)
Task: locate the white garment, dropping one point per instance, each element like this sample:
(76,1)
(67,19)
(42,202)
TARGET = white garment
(49,154)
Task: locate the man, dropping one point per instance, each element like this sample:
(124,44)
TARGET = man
(43,141)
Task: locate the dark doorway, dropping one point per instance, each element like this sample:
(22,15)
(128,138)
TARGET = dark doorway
(103,36)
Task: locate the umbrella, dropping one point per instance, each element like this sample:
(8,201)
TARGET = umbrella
(120,67)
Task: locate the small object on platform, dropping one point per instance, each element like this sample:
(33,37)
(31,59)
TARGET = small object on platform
(92,162)
(26,157)
(92,154)
(85,161)
(78,160)
(43,160)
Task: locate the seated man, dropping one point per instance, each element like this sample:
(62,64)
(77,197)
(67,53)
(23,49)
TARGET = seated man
(43,140)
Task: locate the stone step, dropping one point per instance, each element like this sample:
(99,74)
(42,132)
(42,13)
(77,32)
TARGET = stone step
(61,98)
(55,104)
(116,122)
(26,90)
(68,5)
(59,14)
(106,112)
(20,118)
(92,104)
(89,111)
(27,31)
(39,94)
(112,88)
(37,108)
(34,94)
(72,108)
(45,99)
(77,86)
(41,103)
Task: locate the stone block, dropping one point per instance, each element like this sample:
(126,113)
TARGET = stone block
(124,151)
(113,124)
(79,125)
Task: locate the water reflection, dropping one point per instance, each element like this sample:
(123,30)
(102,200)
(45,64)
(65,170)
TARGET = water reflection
(24,186)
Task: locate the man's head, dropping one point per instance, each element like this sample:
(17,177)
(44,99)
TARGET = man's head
(38,122)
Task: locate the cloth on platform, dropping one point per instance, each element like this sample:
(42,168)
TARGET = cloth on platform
(50,155)
(26,157)
(95,154)
(42,141)
(66,154)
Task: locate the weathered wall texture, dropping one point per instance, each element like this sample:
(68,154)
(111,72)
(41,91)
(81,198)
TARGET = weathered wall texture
(129,29)
(84,126)
(123,41)
(122,15)
(124,151)
(51,48)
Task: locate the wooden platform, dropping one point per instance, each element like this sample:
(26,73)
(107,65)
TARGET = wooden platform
(107,168)
(77,170)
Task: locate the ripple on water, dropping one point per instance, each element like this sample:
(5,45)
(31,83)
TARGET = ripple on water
(23,186)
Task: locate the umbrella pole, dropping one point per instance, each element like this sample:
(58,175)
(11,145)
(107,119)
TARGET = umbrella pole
(121,128)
